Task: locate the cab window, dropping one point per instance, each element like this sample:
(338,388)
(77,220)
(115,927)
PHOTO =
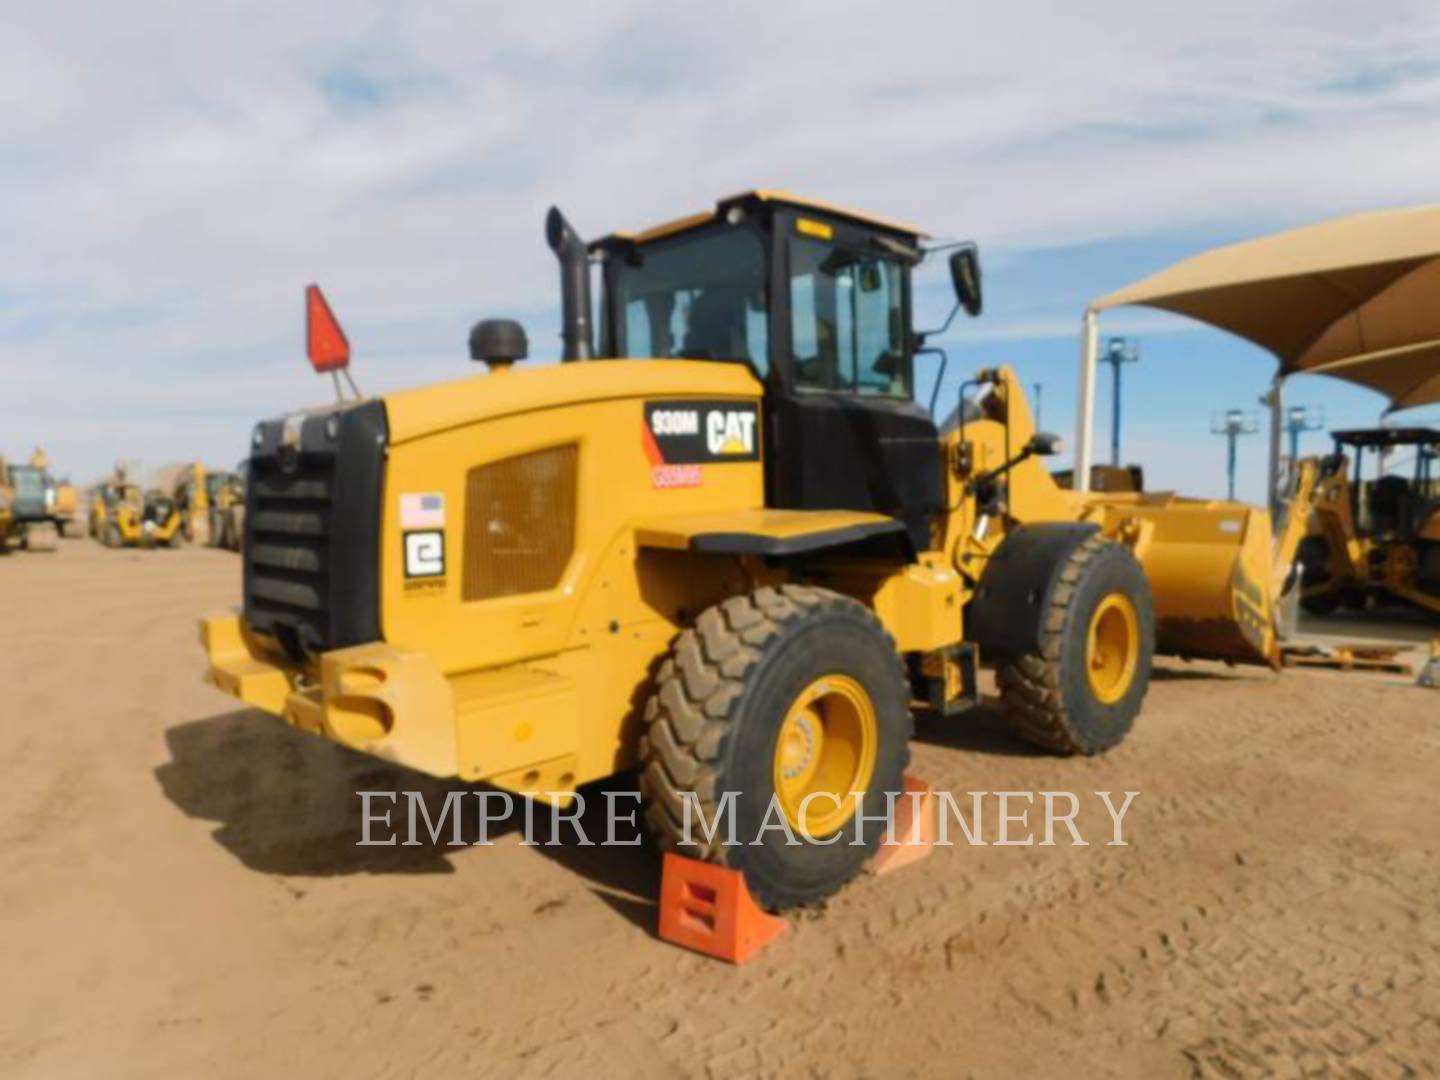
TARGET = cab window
(697,297)
(847,320)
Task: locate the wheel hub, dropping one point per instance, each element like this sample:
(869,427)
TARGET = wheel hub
(825,751)
(1112,648)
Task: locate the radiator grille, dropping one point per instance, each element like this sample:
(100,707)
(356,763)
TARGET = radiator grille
(288,553)
(519,523)
(312,521)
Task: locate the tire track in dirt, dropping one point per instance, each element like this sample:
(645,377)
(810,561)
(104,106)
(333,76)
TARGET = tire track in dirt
(184,893)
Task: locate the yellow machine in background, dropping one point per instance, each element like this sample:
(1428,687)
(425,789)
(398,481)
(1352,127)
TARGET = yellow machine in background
(7,510)
(187,486)
(30,495)
(69,517)
(724,546)
(1380,537)
(63,501)
(225,494)
(122,514)
(210,502)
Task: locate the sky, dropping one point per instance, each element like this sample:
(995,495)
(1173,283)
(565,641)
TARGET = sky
(175,173)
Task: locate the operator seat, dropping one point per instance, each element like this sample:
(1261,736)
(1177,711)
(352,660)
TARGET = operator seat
(1389,503)
(716,329)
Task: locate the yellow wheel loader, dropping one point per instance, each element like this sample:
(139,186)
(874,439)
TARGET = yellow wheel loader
(1377,538)
(722,545)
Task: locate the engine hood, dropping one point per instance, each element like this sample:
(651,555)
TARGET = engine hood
(426,411)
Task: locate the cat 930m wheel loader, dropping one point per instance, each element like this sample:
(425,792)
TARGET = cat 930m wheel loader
(722,545)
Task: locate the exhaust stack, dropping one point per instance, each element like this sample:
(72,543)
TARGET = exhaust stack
(574,286)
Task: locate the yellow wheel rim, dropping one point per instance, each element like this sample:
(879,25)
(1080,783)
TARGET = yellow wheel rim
(825,752)
(1113,649)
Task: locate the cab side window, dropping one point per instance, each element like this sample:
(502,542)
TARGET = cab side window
(847,320)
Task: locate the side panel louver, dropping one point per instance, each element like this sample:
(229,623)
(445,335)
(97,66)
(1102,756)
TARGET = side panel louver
(519,523)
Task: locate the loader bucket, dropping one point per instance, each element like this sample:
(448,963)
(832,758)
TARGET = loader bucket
(1209,567)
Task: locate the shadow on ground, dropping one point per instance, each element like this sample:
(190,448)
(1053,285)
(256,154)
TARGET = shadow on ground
(980,730)
(284,802)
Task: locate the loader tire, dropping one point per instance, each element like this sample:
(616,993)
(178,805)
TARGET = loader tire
(769,698)
(1081,692)
(111,537)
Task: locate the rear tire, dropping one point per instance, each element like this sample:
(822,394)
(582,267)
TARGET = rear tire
(1081,692)
(765,693)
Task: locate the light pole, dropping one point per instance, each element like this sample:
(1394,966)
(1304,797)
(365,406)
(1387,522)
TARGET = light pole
(1039,388)
(1298,419)
(1118,352)
(1233,423)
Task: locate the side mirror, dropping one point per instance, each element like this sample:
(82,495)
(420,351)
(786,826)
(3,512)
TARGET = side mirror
(1044,444)
(965,275)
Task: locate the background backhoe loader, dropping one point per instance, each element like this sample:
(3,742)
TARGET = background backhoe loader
(721,544)
(122,514)
(1379,537)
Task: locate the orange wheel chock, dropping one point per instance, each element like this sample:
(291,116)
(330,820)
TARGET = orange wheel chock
(914,829)
(708,908)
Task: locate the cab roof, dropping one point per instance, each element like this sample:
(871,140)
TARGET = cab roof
(777,198)
(1396,436)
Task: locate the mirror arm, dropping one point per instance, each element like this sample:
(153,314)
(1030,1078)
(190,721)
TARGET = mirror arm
(920,337)
(949,245)
(921,349)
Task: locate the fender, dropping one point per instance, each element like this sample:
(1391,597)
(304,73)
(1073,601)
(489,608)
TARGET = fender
(770,532)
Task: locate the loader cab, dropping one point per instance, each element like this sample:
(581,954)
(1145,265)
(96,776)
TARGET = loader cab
(817,303)
(34,492)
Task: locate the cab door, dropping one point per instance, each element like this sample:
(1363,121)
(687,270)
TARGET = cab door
(845,432)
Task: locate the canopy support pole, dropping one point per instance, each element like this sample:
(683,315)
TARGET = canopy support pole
(1276,400)
(1085,411)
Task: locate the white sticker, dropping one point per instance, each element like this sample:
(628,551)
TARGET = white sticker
(1229,525)
(425,510)
(425,554)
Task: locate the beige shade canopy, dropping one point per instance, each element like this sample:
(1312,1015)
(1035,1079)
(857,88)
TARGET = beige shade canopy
(1357,298)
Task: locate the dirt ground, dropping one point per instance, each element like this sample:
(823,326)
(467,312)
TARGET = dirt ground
(182,894)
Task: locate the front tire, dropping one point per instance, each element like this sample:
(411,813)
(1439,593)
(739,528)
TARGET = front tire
(1080,693)
(773,697)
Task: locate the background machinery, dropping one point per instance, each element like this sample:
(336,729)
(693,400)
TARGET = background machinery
(722,544)
(31,492)
(186,485)
(1378,537)
(122,514)
(66,512)
(225,495)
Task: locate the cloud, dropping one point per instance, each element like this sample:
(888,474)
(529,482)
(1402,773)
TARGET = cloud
(176,172)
